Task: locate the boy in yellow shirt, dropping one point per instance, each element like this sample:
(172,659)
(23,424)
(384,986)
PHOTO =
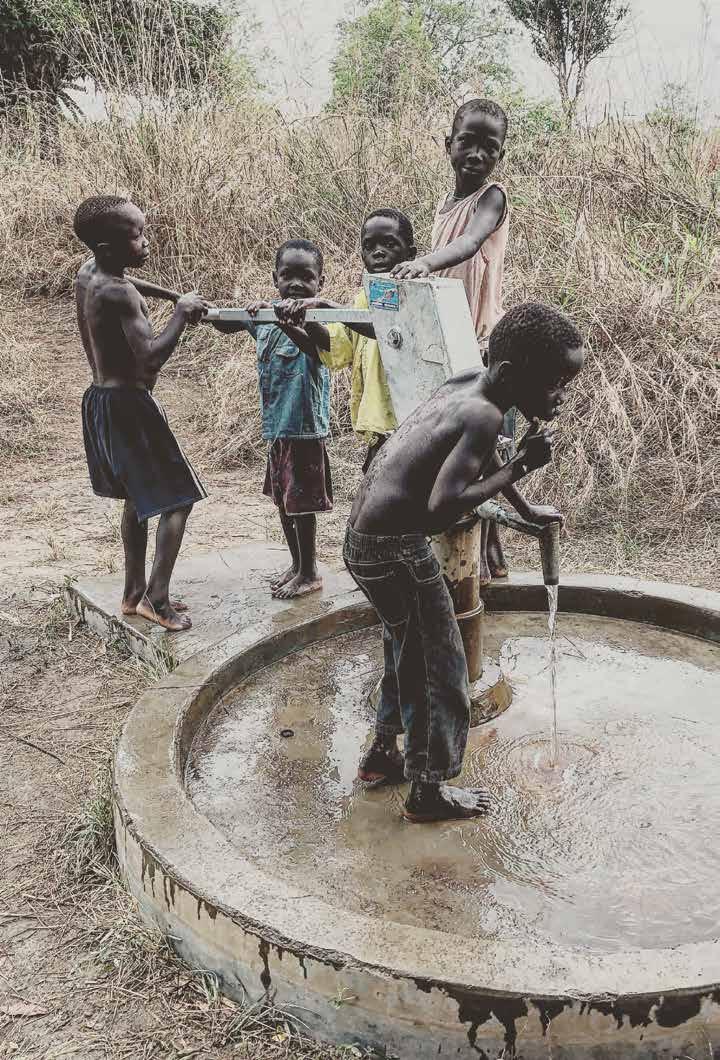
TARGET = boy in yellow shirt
(386,238)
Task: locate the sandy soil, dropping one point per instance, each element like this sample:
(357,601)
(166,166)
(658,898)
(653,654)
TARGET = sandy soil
(79,977)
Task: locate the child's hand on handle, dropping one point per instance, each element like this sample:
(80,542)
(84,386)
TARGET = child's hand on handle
(192,307)
(293,310)
(254,307)
(542,514)
(410,270)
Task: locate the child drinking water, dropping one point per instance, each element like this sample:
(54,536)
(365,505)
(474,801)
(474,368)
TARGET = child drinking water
(439,464)
(469,240)
(295,400)
(386,238)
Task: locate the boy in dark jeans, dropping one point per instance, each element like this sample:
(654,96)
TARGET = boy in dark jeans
(295,401)
(440,464)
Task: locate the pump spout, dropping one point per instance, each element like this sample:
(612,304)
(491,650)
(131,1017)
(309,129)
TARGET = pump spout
(547,535)
(494,511)
(550,553)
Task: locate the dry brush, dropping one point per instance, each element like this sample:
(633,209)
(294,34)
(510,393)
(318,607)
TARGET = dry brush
(617,225)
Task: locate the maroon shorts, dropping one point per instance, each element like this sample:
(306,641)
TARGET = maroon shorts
(298,476)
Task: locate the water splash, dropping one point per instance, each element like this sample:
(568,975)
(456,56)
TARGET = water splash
(552,591)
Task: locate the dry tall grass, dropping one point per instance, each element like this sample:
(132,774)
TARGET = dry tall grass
(27,399)
(618,225)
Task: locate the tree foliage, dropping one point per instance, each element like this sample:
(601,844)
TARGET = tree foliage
(32,61)
(400,49)
(133,45)
(568,35)
(160,46)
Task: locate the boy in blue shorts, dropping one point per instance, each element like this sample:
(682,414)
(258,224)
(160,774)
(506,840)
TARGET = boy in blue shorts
(131,452)
(295,401)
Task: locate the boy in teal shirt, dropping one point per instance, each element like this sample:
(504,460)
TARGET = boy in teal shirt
(295,403)
(386,238)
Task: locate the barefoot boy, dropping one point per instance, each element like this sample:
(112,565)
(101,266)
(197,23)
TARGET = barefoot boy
(131,452)
(386,238)
(438,465)
(295,400)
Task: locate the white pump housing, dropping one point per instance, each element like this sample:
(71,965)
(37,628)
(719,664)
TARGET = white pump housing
(423,327)
(425,333)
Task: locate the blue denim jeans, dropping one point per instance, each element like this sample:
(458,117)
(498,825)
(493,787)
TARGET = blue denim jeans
(424,691)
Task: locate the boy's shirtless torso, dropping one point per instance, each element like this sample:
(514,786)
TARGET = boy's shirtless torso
(442,462)
(395,496)
(100,299)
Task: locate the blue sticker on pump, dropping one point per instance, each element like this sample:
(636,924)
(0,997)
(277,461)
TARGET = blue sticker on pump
(384,294)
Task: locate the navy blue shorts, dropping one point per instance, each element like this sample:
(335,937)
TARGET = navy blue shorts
(133,455)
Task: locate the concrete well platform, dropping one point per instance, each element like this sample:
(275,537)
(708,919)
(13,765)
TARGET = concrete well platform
(225,591)
(242,836)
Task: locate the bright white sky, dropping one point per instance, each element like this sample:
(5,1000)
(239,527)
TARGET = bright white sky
(663,40)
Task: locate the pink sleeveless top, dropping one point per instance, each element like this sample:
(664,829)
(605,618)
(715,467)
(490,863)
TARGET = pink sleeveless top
(483,273)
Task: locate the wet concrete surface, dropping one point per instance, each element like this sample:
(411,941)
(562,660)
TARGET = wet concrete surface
(613,848)
(225,590)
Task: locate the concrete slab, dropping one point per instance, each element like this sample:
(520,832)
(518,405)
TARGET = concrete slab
(225,591)
(229,589)
(357,977)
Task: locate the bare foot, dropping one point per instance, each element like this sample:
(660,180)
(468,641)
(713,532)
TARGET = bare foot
(382,765)
(495,555)
(298,586)
(443,802)
(283,579)
(132,598)
(127,607)
(164,615)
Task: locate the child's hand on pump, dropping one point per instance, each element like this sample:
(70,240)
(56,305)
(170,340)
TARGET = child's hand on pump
(535,451)
(411,270)
(293,310)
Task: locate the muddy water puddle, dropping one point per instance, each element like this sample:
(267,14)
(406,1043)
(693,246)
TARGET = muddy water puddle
(611,846)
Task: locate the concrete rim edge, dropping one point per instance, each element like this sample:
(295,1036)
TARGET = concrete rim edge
(167,827)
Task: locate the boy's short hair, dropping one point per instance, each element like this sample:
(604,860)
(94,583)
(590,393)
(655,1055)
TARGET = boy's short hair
(530,332)
(483,106)
(301,244)
(94,216)
(403,222)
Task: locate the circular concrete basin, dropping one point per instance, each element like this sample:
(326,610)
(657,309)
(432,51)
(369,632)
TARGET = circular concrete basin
(578,920)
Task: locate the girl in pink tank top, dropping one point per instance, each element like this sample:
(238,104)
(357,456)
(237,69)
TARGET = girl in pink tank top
(482,274)
(469,239)
(471,224)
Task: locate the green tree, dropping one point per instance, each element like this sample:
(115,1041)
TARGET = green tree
(398,49)
(32,62)
(142,46)
(568,35)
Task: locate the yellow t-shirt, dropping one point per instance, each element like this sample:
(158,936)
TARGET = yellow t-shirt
(371,410)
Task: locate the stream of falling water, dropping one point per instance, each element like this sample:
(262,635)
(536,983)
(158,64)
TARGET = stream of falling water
(552,591)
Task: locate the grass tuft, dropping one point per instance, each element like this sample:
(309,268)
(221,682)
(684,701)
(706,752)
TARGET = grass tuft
(88,841)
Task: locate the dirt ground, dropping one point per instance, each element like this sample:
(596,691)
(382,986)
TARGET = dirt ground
(79,976)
